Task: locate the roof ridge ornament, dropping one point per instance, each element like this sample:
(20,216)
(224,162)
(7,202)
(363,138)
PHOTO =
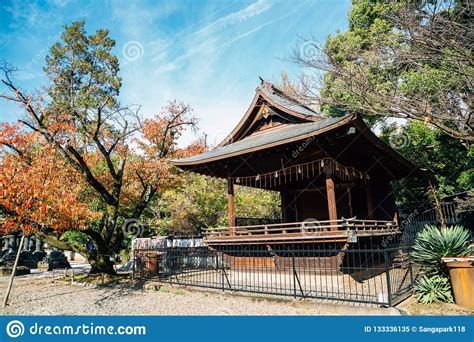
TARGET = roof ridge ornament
(266,85)
(270,87)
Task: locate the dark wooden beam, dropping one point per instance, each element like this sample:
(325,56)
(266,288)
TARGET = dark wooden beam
(370,204)
(349,201)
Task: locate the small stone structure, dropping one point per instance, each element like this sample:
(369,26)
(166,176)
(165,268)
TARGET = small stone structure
(32,253)
(56,259)
(10,249)
(39,253)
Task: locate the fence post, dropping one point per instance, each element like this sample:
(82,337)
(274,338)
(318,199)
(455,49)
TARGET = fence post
(222,272)
(387,274)
(294,273)
(410,267)
(134,262)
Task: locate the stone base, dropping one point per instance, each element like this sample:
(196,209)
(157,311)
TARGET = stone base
(39,256)
(26,259)
(20,270)
(56,259)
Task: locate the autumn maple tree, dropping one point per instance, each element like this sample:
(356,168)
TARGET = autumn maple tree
(78,159)
(39,189)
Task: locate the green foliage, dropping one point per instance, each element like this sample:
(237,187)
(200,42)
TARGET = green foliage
(449,163)
(256,203)
(409,59)
(433,289)
(365,14)
(74,236)
(83,70)
(197,202)
(428,82)
(368,28)
(125,255)
(202,202)
(434,243)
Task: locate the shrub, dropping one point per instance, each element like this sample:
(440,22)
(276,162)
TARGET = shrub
(434,243)
(433,289)
(125,255)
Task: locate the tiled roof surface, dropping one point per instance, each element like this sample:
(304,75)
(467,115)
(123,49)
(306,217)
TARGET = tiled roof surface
(264,138)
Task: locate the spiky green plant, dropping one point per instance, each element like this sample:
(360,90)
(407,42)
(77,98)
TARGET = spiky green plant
(433,289)
(434,243)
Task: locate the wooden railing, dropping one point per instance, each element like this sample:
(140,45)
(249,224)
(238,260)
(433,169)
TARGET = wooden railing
(360,227)
(250,221)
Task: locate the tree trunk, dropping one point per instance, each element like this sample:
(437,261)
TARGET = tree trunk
(99,259)
(101,264)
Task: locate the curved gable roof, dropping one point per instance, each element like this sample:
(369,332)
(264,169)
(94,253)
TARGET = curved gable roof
(270,95)
(285,101)
(307,123)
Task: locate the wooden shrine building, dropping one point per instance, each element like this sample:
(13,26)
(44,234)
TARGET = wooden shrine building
(333,174)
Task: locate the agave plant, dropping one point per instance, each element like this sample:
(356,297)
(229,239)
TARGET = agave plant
(433,289)
(434,243)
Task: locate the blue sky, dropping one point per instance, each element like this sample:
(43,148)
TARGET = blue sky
(206,53)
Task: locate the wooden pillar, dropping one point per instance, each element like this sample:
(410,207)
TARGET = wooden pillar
(295,206)
(370,205)
(395,217)
(331,196)
(390,199)
(283,204)
(349,201)
(230,202)
(288,206)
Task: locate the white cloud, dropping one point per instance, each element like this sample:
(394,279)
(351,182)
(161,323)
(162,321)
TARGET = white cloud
(250,11)
(188,64)
(136,18)
(211,40)
(59,3)
(24,11)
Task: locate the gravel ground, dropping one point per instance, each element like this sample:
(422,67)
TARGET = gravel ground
(38,294)
(413,308)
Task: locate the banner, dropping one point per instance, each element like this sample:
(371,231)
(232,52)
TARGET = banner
(288,329)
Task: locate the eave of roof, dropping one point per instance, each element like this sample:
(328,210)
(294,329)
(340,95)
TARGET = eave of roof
(382,145)
(262,141)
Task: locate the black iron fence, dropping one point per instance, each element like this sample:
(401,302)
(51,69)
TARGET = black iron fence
(376,270)
(375,276)
(447,213)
